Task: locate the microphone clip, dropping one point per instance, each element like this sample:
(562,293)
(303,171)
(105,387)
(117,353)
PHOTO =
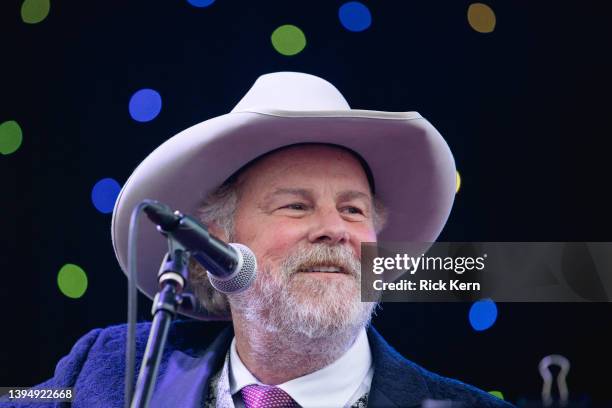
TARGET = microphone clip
(174,272)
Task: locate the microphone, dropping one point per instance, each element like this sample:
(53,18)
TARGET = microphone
(231,268)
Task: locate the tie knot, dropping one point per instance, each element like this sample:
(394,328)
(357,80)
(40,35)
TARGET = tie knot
(266,396)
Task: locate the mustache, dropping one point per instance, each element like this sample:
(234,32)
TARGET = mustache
(309,256)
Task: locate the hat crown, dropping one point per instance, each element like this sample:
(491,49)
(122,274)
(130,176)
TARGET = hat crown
(292,91)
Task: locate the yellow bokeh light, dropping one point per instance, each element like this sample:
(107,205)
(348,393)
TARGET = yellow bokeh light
(481,17)
(458,180)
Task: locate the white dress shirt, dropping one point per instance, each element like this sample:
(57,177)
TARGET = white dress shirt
(339,384)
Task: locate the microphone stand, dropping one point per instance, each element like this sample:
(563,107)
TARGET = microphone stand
(172,277)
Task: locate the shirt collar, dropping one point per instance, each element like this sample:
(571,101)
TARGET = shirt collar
(337,381)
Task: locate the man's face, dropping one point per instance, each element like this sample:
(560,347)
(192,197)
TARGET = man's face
(304,212)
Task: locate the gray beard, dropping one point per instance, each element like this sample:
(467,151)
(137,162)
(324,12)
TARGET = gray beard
(300,307)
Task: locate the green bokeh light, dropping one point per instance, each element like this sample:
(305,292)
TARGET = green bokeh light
(497,394)
(34,11)
(288,40)
(10,137)
(72,281)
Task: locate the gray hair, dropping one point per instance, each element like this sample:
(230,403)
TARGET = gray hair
(219,208)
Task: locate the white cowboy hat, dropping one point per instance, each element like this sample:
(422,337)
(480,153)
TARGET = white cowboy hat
(412,166)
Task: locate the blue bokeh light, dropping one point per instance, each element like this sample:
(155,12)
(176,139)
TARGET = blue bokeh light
(104,194)
(145,105)
(483,314)
(355,16)
(201,3)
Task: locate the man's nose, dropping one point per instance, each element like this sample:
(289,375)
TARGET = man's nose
(329,227)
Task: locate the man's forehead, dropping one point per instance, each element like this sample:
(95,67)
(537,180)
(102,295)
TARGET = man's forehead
(309,193)
(308,163)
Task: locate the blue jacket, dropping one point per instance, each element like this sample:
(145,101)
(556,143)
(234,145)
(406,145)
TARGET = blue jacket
(96,363)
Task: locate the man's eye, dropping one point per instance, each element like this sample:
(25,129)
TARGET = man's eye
(353,210)
(296,206)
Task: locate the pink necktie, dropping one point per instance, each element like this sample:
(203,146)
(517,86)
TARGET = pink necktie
(266,396)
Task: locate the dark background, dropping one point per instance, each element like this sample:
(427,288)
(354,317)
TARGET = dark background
(525,109)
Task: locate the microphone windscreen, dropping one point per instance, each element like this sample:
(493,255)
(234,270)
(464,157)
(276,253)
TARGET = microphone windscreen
(243,277)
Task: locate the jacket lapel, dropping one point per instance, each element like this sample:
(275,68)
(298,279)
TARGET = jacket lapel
(397,382)
(183,381)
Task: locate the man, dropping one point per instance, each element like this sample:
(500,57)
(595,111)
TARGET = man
(302,180)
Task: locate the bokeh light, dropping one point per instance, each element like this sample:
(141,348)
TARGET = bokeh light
(483,314)
(10,137)
(481,17)
(104,194)
(355,16)
(497,394)
(145,105)
(201,3)
(288,40)
(72,281)
(458,182)
(34,11)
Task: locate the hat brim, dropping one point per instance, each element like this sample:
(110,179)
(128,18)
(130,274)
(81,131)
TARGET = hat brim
(412,165)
